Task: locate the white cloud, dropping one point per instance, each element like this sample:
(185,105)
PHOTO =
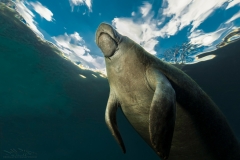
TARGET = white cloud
(142,26)
(145,9)
(233,3)
(198,37)
(188,13)
(144,31)
(176,15)
(42,10)
(73,46)
(88,3)
(28,16)
(234,17)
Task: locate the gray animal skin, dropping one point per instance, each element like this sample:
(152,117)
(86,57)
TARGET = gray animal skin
(163,104)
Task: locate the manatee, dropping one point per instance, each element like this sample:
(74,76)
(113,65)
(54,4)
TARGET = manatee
(175,117)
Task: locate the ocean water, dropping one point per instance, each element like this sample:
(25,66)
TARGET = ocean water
(49,112)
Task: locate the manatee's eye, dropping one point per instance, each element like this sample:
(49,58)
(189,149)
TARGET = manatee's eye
(107,44)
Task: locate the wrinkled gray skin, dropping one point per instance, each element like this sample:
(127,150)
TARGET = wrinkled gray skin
(164,105)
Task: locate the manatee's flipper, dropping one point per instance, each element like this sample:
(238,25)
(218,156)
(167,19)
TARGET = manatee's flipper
(162,113)
(110,118)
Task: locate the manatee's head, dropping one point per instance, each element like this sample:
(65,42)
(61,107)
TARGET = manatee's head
(118,50)
(108,39)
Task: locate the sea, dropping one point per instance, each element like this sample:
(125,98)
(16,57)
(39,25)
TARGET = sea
(51,109)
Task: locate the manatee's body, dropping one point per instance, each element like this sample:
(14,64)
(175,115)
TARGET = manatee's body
(164,105)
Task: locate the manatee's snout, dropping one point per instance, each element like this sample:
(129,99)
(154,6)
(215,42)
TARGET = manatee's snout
(107,44)
(107,39)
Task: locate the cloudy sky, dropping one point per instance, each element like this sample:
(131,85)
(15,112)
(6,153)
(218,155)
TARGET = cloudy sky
(157,25)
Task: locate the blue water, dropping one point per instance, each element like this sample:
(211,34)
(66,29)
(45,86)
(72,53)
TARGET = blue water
(49,112)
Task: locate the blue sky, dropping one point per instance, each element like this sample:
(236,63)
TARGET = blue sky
(156,24)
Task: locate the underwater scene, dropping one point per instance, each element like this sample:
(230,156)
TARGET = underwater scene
(54,85)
